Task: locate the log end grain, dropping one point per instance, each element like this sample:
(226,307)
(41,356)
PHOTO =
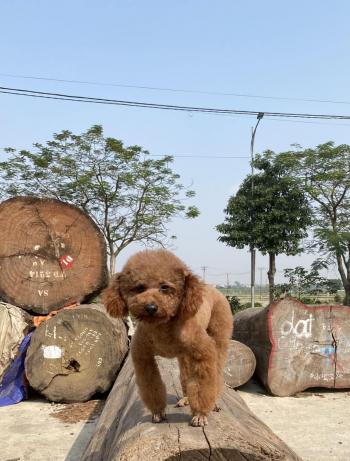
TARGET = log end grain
(51,254)
(76,354)
(298,346)
(240,365)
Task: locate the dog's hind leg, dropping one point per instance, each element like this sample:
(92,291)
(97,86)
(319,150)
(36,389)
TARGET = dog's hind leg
(220,329)
(184,374)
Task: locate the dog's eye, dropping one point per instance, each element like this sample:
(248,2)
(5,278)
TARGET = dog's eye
(164,288)
(139,289)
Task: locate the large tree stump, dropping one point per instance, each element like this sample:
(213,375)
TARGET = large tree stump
(125,432)
(15,324)
(297,346)
(76,354)
(240,365)
(51,254)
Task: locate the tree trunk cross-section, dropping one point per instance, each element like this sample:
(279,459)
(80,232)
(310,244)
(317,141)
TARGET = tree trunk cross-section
(76,354)
(51,254)
(297,346)
(240,364)
(124,431)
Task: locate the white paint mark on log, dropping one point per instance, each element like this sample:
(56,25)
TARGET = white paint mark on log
(52,352)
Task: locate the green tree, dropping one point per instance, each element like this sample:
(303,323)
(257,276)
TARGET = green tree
(273,219)
(305,283)
(129,195)
(324,173)
(302,282)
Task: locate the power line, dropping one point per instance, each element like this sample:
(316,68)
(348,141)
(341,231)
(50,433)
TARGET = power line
(275,119)
(175,90)
(204,156)
(211,110)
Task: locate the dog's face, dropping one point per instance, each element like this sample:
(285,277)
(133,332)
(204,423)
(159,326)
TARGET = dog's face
(154,286)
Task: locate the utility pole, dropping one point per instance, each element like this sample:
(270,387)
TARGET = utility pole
(204,268)
(252,248)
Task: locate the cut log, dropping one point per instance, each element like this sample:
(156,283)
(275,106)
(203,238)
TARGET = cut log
(15,324)
(297,346)
(51,254)
(125,432)
(76,354)
(240,365)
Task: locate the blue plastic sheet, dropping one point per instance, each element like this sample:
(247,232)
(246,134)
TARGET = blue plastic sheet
(13,387)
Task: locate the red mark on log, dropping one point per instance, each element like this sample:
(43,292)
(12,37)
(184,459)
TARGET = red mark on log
(66,262)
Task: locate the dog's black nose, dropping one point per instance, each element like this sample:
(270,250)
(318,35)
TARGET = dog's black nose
(151,308)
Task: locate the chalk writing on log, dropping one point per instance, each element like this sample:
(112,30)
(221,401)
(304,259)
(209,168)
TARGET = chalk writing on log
(326,376)
(46,275)
(302,328)
(87,340)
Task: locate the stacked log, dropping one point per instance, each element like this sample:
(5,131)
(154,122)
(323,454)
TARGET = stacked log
(76,354)
(297,346)
(15,324)
(125,432)
(240,364)
(51,254)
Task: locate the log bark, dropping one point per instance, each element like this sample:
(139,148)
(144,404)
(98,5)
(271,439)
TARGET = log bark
(15,324)
(240,365)
(76,354)
(297,346)
(51,254)
(124,431)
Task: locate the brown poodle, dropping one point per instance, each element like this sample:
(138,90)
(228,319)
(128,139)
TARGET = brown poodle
(177,316)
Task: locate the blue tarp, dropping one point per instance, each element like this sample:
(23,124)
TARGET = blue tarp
(12,386)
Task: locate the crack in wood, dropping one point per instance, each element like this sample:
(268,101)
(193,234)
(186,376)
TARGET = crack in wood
(208,442)
(55,246)
(335,346)
(178,442)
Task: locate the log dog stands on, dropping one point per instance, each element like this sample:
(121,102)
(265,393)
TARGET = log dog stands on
(76,354)
(124,431)
(51,254)
(297,346)
(240,365)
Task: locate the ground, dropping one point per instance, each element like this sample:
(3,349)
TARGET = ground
(36,430)
(314,424)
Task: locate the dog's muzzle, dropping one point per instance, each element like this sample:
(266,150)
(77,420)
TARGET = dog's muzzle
(151,308)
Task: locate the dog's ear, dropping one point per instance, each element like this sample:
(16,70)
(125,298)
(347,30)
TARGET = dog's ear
(113,300)
(193,296)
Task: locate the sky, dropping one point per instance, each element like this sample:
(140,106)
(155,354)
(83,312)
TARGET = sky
(268,50)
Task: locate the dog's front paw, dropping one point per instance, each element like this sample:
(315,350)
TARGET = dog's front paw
(182,402)
(158,417)
(199,421)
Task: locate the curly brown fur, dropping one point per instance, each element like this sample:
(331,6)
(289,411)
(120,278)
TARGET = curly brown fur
(178,316)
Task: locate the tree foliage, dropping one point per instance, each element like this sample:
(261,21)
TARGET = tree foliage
(129,195)
(272,219)
(324,174)
(307,284)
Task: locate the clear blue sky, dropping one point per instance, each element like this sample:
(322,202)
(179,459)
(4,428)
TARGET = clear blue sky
(294,49)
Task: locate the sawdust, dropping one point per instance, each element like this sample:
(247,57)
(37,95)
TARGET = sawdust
(75,412)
